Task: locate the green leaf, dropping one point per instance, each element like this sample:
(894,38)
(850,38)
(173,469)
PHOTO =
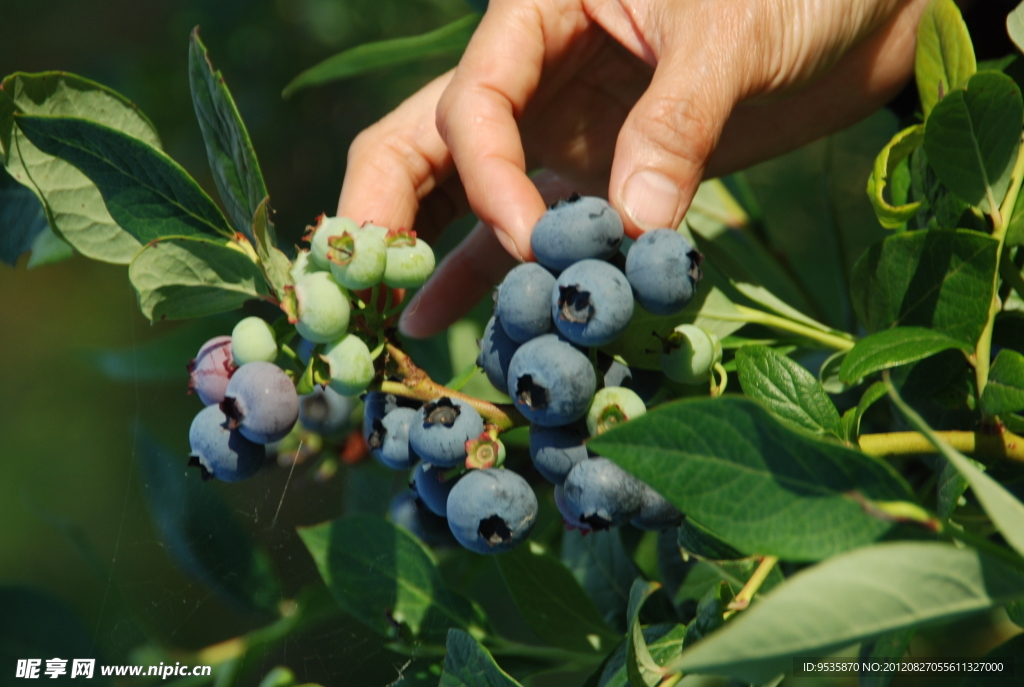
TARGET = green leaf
(34,625)
(236,171)
(641,668)
(1011,649)
(817,216)
(766,298)
(664,642)
(1015,612)
(387,578)
(725,235)
(949,487)
(450,39)
(276,265)
(896,151)
(788,390)
(180,278)
(1015,26)
(972,138)
(874,393)
(710,613)
(1005,511)
(468,664)
(707,456)
(73,205)
(48,249)
(603,569)
(1004,392)
(885,588)
(945,55)
(894,347)
(937,279)
(147,193)
(698,541)
(828,373)
(552,601)
(890,646)
(202,535)
(21,218)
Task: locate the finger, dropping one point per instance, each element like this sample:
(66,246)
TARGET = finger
(399,171)
(866,78)
(468,273)
(477,113)
(667,138)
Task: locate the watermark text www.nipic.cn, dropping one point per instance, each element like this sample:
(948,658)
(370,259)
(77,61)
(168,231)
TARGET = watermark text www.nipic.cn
(36,668)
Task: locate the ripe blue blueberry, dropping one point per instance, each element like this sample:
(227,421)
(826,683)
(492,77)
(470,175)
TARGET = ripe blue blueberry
(570,516)
(551,381)
(325,411)
(575,229)
(656,513)
(604,494)
(646,383)
(252,339)
(261,402)
(491,511)
(524,302)
(211,369)
(220,452)
(441,430)
(496,351)
(377,404)
(389,441)
(408,511)
(612,406)
(663,268)
(430,483)
(555,450)
(591,303)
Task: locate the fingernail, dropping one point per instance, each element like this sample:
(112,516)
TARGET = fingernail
(650,199)
(508,244)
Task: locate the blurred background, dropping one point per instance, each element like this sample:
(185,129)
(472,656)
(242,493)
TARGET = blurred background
(79,401)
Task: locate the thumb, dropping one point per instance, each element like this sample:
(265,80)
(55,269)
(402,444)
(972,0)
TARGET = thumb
(666,141)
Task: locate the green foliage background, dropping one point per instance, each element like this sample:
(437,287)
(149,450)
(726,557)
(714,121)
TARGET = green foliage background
(73,520)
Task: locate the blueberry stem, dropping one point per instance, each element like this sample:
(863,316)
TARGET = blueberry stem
(839,341)
(718,388)
(1005,445)
(746,595)
(417,384)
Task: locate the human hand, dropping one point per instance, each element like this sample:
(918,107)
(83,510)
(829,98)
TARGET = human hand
(635,100)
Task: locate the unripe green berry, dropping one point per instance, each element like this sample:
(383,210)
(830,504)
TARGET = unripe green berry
(351,365)
(410,260)
(302,266)
(358,258)
(322,308)
(324,230)
(253,340)
(689,354)
(612,406)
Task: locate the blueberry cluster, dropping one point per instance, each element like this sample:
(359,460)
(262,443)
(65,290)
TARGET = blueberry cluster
(488,509)
(251,401)
(345,256)
(540,349)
